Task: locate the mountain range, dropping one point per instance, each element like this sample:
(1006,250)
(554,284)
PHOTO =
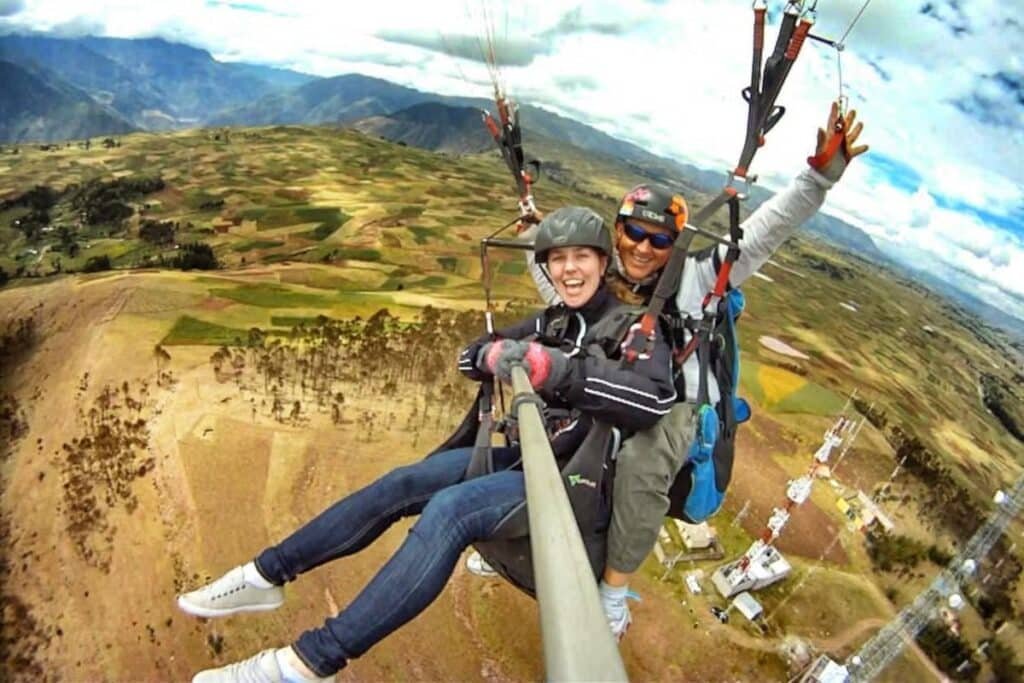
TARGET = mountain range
(148,84)
(67,88)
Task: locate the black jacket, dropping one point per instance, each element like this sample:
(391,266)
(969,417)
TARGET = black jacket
(597,386)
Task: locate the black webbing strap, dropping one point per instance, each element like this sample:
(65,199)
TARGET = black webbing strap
(509,138)
(670,277)
(752,94)
(703,335)
(762,115)
(481,462)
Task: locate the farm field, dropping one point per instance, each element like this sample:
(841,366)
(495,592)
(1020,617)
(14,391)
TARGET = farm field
(370,250)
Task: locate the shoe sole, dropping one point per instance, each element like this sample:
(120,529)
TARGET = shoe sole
(482,574)
(197,611)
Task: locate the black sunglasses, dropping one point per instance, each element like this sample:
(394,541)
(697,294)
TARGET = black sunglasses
(659,240)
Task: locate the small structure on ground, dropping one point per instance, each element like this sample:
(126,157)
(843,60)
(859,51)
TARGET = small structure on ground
(863,512)
(764,566)
(824,670)
(700,543)
(872,513)
(747,605)
(696,536)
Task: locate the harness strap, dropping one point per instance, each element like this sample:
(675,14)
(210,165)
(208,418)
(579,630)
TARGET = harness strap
(724,269)
(762,115)
(509,138)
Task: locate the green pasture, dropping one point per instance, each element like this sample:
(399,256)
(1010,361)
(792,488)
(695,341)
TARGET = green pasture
(425,235)
(359,254)
(267,295)
(256,244)
(290,321)
(828,601)
(321,279)
(193,331)
(781,391)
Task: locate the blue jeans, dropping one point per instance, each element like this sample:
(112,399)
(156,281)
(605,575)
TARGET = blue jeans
(453,514)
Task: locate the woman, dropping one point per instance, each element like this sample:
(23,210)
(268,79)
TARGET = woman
(453,511)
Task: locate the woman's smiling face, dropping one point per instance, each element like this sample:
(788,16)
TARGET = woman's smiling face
(577,273)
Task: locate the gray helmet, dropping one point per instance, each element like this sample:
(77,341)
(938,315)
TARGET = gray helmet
(571,226)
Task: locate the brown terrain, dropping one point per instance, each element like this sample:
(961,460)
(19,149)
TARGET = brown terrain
(762,481)
(158,474)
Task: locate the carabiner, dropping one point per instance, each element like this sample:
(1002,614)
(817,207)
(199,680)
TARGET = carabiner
(748,181)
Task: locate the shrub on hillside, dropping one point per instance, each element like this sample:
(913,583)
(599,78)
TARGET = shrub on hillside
(40,198)
(950,653)
(196,256)
(17,338)
(874,415)
(1000,398)
(32,224)
(157,232)
(1004,664)
(97,264)
(887,551)
(938,556)
(106,201)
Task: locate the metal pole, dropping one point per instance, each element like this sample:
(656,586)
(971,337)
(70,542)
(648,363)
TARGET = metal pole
(578,645)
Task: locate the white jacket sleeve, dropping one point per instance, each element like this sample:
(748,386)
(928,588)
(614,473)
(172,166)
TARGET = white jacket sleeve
(766,229)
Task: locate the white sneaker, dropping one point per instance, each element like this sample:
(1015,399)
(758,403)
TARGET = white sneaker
(230,594)
(260,668)
(476,564)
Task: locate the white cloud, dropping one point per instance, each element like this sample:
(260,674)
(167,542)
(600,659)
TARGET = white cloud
(10,7)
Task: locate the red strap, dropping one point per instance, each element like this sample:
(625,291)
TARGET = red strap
(721,283)
(503,111)
(797,41)
(759,28)
(492,127)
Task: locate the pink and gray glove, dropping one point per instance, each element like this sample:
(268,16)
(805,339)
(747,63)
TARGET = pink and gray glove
(543,365)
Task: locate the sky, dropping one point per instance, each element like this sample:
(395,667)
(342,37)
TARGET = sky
(938,84)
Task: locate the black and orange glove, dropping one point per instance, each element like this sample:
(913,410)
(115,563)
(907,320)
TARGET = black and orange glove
(835,146)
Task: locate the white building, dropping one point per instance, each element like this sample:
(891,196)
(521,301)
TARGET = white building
(871,512)
(746,605)
(696,536)
(824,670)
(764,567)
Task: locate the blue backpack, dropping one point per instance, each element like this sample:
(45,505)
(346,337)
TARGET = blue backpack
(699,488)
